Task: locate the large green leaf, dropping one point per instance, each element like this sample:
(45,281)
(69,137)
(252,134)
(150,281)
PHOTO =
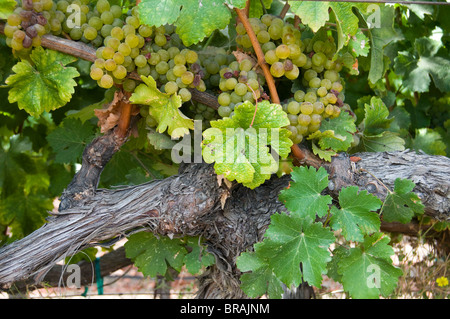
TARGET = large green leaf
(69,140)
(194,20)
(291,240)
(303,196)
(357,215)
(6,8)
(422,63)
(367,270)
(241,152)
(165,108)
(43,85)
(336,134)
(402,204)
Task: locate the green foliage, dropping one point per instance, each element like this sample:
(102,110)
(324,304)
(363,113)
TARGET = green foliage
(163,107)
(44,84)
(240,150)
(153,255)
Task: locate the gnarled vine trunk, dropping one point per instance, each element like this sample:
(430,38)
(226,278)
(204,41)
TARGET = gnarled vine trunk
(195,202)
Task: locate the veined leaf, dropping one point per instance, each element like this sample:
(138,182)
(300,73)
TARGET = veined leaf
(45,85)
(402,204)
(163,107)
(357,215)
(241,152)
(367,269)
(303,195)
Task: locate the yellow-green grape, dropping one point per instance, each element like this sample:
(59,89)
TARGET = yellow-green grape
(145,31)
(106,81)
(293,107)
(318,108)
(329,110)
(310,97)
(118,58)
(304,119)
(293,73)
(316,119)
(179,59)
(140,61)
(187,77)
(282,51)
(107,53)
(277,69)
(331,98)
(129,85)
(224,99)
(230,83)
(132,40)
(125,49)
(171,87)
(299,96)
(337,86)
(179,70)
(271,57)
(110,65)
(191,56)
(96,73)
(322,91)
(90,33)
(150,121)
(306,108)
(185,94)
(120,72)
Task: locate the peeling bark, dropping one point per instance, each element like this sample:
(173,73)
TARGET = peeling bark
(190,204)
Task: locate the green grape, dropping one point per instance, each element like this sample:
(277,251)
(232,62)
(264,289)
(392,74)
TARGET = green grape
(165,56)
(145,31)
(110,65)
(117,33)
(337,86)
(113,43)
(160,40)
(120,72)
(129,85)
(318,107)
(319,59)
(185,94)
(246,42)
(329,109)
(14,20)
(224,111)
(299,96)
(171,87)
(331,75)
(240,89)
(230,83)
(302,129)
(314,82)
(245,65)
(316,119)
(271,57)
(150,121)
(96,73)
(124,49)
(322,91)
(116,11)
(99,63)
(212,67)
(224,99)
(140,61)
(292,129)
(275,31)
(118,58)
(318,46)
(106,30)
(106,81)
(304,119)
(282,51)
(133,21)
(310,97)
(293,119)
(292,74)
(179,70)
(107,53)
(187,77)
(332,99)
(103,6)
(96,23)
(107,17)
(309,75)
(313,127)
(179,59)
(293,107)
(263,37)
(75,34)
(128,29)
(277,69)
(19,35)
(162,67)
(306,108)
(132,40)
(253,83)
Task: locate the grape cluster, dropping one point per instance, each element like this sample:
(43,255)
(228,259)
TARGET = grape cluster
(26,25)
(311,61)
(239,82)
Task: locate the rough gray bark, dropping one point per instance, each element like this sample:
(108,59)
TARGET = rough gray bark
(191,204)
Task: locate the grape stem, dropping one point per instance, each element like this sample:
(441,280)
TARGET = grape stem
(125,115)
(260,55)
(256,103)
(295,149)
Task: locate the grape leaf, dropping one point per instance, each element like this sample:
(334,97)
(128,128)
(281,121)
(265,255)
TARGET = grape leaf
(303,195)
(357,215)
(359,44)
(343,126)
(197,257)
(163,107)
(323,154)
(384,142)
(152,255)
(194,20)
(291,240)
(241,153)
(6,8)
(45,85)
(420,63)
(256,8)
(69,140)
(259,278)
(380,36)
(24,213)
(367,270)
(402,204)
(316,14)
(376,118)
